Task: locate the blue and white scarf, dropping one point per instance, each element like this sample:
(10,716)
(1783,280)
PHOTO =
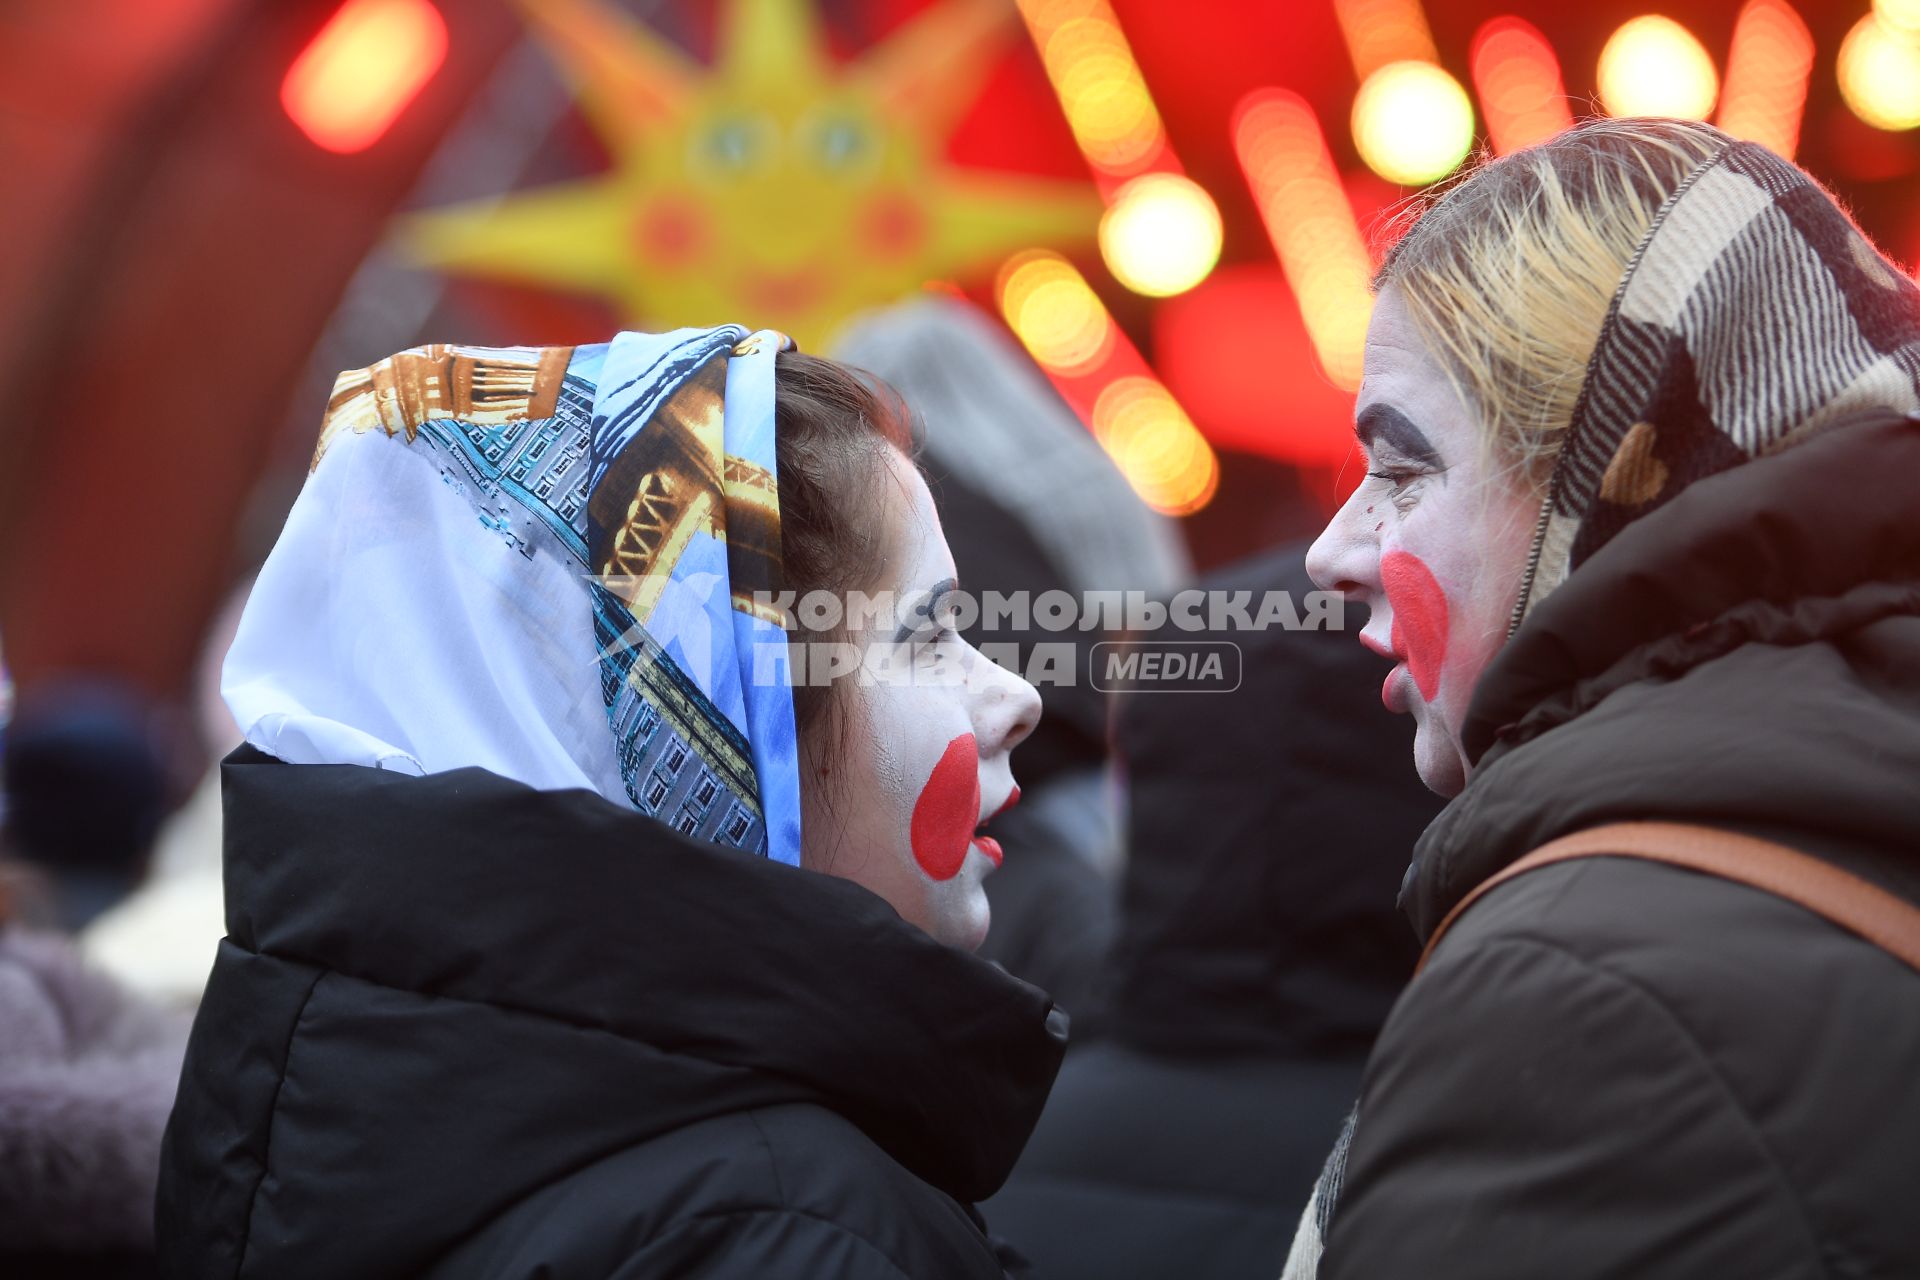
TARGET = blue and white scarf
(550,563)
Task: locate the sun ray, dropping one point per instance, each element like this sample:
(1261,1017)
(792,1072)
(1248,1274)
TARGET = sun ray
(982,217)
(626,78)
(772,41)
(777,188)
(928,73)
(571,235)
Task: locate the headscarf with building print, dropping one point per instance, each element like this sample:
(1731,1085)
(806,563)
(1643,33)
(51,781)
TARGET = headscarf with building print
(554,564)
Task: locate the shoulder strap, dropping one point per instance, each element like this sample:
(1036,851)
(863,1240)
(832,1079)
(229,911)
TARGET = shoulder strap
(1888,922)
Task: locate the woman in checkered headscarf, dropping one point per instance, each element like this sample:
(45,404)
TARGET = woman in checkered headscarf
(1637,529)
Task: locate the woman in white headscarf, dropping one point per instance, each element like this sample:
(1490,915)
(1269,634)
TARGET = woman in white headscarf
(576,927)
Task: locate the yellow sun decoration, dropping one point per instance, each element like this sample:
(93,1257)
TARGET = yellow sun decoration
(775,189)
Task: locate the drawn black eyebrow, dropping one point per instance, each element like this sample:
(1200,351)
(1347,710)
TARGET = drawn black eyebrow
(923,611)
(1384,423)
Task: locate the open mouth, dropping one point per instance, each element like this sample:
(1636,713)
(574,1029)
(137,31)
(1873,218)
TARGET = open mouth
(987,844)
(1372,645)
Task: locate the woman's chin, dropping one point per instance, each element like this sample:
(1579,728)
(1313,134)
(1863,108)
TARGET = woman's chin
(975,932)
(961,913)
(970,929)
(1436,757)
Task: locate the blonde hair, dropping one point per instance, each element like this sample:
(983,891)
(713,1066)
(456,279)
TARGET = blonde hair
(1510,273)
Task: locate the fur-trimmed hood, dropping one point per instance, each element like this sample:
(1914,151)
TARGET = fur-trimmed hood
(87,1076)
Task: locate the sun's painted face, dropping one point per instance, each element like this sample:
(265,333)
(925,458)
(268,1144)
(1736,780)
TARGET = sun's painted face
(750,201)
(1434,541)
(896,784)
(777,187)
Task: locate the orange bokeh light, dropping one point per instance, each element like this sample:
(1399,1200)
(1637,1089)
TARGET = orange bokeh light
(1055,313)
(1517,77)
(1767,74)
(1284,154)
(1099,84)
(1067,329)
(358,74)
(1378,32)
(1155,445)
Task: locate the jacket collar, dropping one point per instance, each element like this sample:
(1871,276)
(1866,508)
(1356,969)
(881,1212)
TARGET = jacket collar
(1689,671)
(469,886)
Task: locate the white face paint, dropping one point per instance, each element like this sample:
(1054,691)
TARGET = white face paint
(898,778)
(1434,541)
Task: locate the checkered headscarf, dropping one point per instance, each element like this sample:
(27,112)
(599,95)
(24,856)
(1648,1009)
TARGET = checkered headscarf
(1753,315)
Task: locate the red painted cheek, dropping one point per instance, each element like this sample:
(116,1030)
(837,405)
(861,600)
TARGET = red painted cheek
(1419,618)
(948,810)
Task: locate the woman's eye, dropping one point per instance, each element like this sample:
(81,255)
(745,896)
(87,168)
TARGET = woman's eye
(1398,481)
(935,636)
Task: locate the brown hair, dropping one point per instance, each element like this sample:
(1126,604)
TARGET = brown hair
(832,425)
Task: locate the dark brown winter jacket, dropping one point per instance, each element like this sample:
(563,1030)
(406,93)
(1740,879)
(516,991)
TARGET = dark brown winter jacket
(1617,1068)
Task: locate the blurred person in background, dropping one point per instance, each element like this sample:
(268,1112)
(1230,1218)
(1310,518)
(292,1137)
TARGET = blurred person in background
(87,1076)
(86,791)
(160,938)
(87,1067)
(6,717)
(1639,416)
(1267,829)
(565,936)
(1031,503)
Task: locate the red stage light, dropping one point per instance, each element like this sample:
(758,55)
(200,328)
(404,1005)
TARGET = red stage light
(358,74)
(1237,355)
(1054,311)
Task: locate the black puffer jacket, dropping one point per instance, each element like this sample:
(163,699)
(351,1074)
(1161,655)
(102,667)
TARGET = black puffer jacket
(1616,1068)
(465,1029)
(1268,829)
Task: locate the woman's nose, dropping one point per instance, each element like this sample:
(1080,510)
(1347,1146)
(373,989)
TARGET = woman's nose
(1345,557)
(1006,708)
